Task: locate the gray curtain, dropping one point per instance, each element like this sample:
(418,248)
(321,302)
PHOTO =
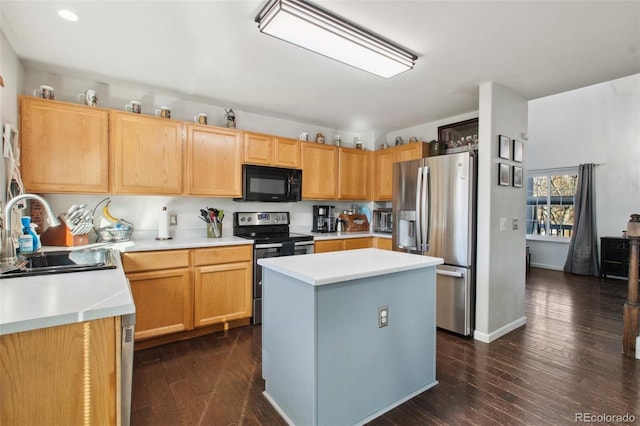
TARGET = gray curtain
(582,257)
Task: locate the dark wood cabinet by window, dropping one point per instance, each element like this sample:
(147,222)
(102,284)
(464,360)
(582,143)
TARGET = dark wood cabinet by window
(614,256)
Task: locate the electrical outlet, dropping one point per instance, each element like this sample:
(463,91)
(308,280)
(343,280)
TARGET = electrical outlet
(173,219)
(514,223)
(383,316)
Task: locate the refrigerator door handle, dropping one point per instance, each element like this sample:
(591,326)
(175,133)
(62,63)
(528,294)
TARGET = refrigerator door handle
(418,222)
(450,273)
(425,209)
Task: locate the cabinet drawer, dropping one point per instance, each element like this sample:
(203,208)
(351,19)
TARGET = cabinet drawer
(155,260)
(614,244)
(217,255)
(357,243)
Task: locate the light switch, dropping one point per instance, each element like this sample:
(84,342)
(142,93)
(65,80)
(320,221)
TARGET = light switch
(503,224)
(514,223)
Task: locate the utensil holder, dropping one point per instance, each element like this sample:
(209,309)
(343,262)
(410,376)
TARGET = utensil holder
(211,232)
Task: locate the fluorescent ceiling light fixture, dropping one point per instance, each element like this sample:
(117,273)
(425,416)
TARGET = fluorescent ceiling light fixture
(307,25)
(68,15)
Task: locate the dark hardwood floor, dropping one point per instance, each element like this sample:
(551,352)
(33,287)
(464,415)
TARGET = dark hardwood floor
(567,360)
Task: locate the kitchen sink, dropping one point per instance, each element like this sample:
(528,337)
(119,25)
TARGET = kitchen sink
(58,262)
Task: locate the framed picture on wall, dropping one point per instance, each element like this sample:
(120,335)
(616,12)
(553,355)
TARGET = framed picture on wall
(518,151)
(504,147)
(517,176)
(459,134)
(504,174)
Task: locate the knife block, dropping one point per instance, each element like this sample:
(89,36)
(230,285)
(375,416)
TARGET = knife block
(61,236)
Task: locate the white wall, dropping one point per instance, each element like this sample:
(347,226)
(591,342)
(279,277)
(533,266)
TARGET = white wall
(427,131)
(500,271)
(596,124)
(12,73)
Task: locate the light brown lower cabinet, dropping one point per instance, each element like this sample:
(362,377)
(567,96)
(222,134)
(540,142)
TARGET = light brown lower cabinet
(383,243)
(180,290)
(61,375)
(324,246)
(223,285)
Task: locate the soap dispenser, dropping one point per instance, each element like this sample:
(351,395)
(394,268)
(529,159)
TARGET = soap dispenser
(27,229)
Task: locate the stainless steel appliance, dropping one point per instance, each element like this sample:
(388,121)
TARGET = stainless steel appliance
(275,184)
(271,236)
(323,219)
(383,220)
(434,214)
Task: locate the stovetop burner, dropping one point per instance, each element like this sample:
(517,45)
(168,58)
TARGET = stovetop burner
(265,227)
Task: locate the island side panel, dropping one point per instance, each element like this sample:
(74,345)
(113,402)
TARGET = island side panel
(365,370)
(288,346)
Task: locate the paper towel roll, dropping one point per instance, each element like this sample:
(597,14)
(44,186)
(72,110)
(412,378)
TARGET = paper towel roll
(163,224)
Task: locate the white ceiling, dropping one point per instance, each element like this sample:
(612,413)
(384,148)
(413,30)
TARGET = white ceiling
(212,51)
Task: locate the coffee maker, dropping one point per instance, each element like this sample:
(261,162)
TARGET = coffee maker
(323,220)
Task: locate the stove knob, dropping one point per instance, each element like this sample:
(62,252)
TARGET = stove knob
(277,218)
(249,219)
(242,219)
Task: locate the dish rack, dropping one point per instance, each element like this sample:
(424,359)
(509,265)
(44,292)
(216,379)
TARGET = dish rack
(118,232)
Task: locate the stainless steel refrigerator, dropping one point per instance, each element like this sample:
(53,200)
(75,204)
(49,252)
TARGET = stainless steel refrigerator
(434,214)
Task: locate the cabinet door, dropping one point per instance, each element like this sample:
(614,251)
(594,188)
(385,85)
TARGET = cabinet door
(383,174)
(222,293)
(147,154)
(163,302)
(61,375)
(319,171)
(258,148)
(214,161)
(357,243)
(286,153)
(383,243)
(65,147)
(328,245)
(353,178)
(412,151)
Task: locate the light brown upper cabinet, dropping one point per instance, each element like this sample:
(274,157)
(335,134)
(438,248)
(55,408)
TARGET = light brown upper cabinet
(382,173)
(319,171)
(65,147)
(147,154)
(412,151)
(271,150)
(353,176)
(382,181)
(214,157)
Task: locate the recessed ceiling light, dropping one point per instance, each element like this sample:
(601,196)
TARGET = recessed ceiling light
(68,15)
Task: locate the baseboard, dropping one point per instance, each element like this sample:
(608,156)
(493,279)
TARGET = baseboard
(488,338)
(545,266)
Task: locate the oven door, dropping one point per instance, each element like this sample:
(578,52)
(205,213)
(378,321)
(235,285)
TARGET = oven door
(264,251)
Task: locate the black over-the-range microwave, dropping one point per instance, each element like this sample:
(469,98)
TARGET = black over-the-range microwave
(275,184)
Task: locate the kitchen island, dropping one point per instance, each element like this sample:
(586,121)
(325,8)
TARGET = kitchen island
(347,335)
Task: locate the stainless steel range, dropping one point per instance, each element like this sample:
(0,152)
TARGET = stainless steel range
(271,236)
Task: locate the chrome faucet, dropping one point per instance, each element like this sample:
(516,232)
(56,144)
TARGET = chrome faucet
(7,247)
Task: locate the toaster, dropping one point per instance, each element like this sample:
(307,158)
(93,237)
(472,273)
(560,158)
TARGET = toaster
(383,221)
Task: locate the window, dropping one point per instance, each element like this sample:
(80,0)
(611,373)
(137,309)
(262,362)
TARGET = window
(550,202)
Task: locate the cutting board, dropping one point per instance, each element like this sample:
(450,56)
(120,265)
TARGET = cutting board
(355,222)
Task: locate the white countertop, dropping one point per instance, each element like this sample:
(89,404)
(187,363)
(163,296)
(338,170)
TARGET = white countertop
(35,302)
(327,268)
(185,243)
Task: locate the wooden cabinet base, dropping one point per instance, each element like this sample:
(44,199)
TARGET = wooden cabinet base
(144,344)
(67,374)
